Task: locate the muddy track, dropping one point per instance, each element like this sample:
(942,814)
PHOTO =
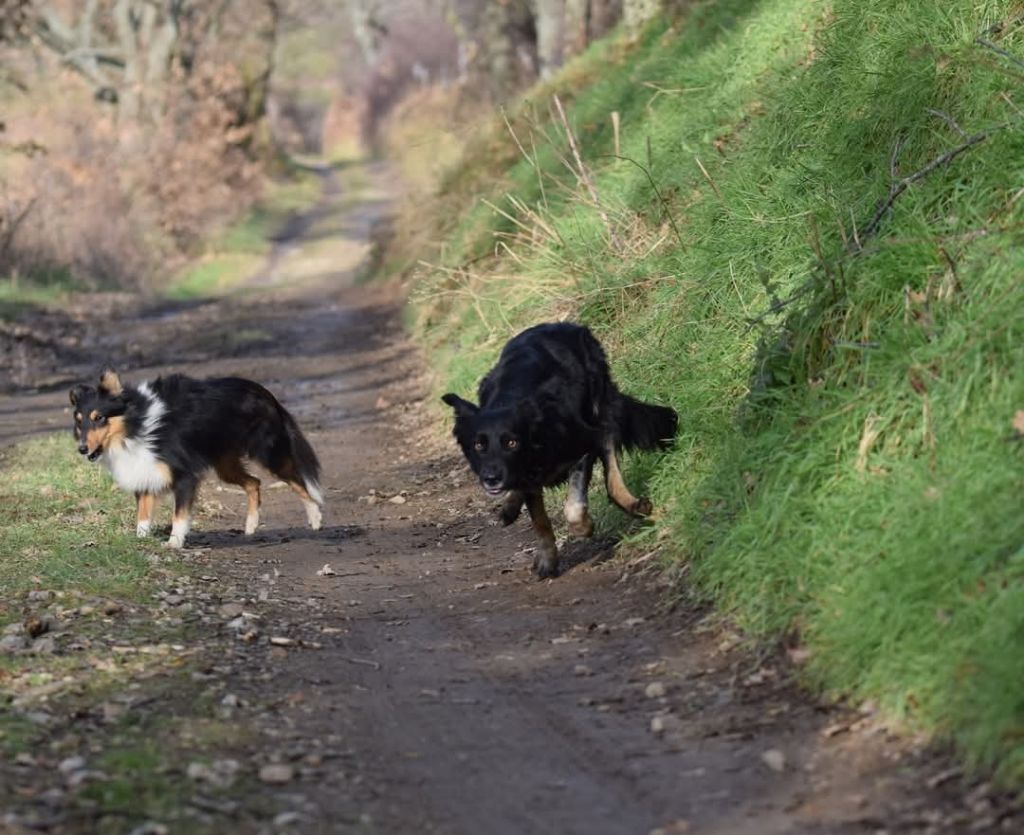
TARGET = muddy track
(431,684)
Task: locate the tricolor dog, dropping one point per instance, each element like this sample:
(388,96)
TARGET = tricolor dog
(163,436)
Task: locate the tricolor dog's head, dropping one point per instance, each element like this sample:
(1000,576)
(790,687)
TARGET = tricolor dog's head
(496,442)
(98,414)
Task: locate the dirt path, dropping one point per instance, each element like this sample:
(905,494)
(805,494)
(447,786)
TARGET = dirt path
(431,684)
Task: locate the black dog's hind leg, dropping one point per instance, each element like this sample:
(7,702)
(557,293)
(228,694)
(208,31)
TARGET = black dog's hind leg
(184,496)
(546,561)
(511,506)
(576,513)
(618,492)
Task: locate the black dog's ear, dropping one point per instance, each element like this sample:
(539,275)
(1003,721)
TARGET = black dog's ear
(463,408)
(80,393)
(110,382)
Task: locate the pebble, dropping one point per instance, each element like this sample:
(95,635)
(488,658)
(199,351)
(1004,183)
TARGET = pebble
(11,644)
(774,759)
(71,764)
(277,773)
(230,611)
(655,690)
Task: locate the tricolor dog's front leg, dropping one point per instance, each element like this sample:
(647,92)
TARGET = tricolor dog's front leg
(146,503)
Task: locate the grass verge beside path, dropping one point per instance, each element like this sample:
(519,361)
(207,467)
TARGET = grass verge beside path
(809,243)
(240,250)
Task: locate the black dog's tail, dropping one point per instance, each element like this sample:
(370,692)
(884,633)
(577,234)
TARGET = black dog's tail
(305,460)
(643,425)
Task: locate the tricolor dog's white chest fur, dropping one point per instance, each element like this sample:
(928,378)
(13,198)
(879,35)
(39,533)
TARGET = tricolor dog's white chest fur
(135,468)
(132,462)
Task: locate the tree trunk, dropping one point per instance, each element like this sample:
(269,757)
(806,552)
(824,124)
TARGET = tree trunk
(548,16)
(635,13)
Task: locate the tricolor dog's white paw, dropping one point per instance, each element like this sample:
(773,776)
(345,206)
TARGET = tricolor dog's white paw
(314,515)
(176,542)
(251,523)
(142,530)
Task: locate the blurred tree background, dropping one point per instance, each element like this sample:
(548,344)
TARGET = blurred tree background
(133,128)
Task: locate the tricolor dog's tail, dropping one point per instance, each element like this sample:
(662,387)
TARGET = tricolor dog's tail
(305,460)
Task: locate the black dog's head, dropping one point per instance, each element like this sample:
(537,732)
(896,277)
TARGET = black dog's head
(496,442)
(98,414)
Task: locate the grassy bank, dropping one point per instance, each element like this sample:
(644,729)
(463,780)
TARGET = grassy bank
(808,242)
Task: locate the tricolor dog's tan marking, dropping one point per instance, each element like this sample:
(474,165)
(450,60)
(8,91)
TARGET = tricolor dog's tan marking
(146,506)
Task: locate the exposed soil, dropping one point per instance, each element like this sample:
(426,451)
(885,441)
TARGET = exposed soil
(431,684)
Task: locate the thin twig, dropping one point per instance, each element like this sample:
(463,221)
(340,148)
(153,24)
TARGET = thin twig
(362,661)
(949,120)
(902,185)
(1009,56)
(583,176)
(707,176)
(665,211)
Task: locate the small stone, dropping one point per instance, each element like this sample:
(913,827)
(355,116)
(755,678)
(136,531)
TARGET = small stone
(46,645)
(40,595)
(655,690)
(582,670)
(281,641)
(326,571)
(231,700)
(71,765)
(399,499)
(286,818)
(230,610)
(665,723)
(12,644)
(150,828)
(174,600)
(774,759)
(277,773)
(111,607)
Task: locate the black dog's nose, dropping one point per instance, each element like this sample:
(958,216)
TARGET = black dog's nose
(492,480)
(83,449)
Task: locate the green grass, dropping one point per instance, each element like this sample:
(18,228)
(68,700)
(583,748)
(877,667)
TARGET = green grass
(846,473)
(18,295)
(64,527)
(239,251)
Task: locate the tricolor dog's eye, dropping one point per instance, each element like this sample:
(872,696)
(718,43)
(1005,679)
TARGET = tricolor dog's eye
(511,443)
(100,420)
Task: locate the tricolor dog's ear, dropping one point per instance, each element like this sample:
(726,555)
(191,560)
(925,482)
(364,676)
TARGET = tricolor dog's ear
(80,393)
(463,408)
(110,382)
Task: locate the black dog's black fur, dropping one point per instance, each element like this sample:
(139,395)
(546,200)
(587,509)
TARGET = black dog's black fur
(547,411)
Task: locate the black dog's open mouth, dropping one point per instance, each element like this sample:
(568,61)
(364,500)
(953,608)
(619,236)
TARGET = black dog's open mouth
(495,491)
(96,453)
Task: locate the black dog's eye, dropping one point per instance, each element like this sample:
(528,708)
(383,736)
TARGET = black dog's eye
(511,443)
(480,445)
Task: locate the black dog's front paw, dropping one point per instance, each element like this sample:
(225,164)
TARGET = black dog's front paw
(511,507)
(546,566)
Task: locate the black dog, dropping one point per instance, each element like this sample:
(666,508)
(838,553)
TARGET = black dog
(547,410)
